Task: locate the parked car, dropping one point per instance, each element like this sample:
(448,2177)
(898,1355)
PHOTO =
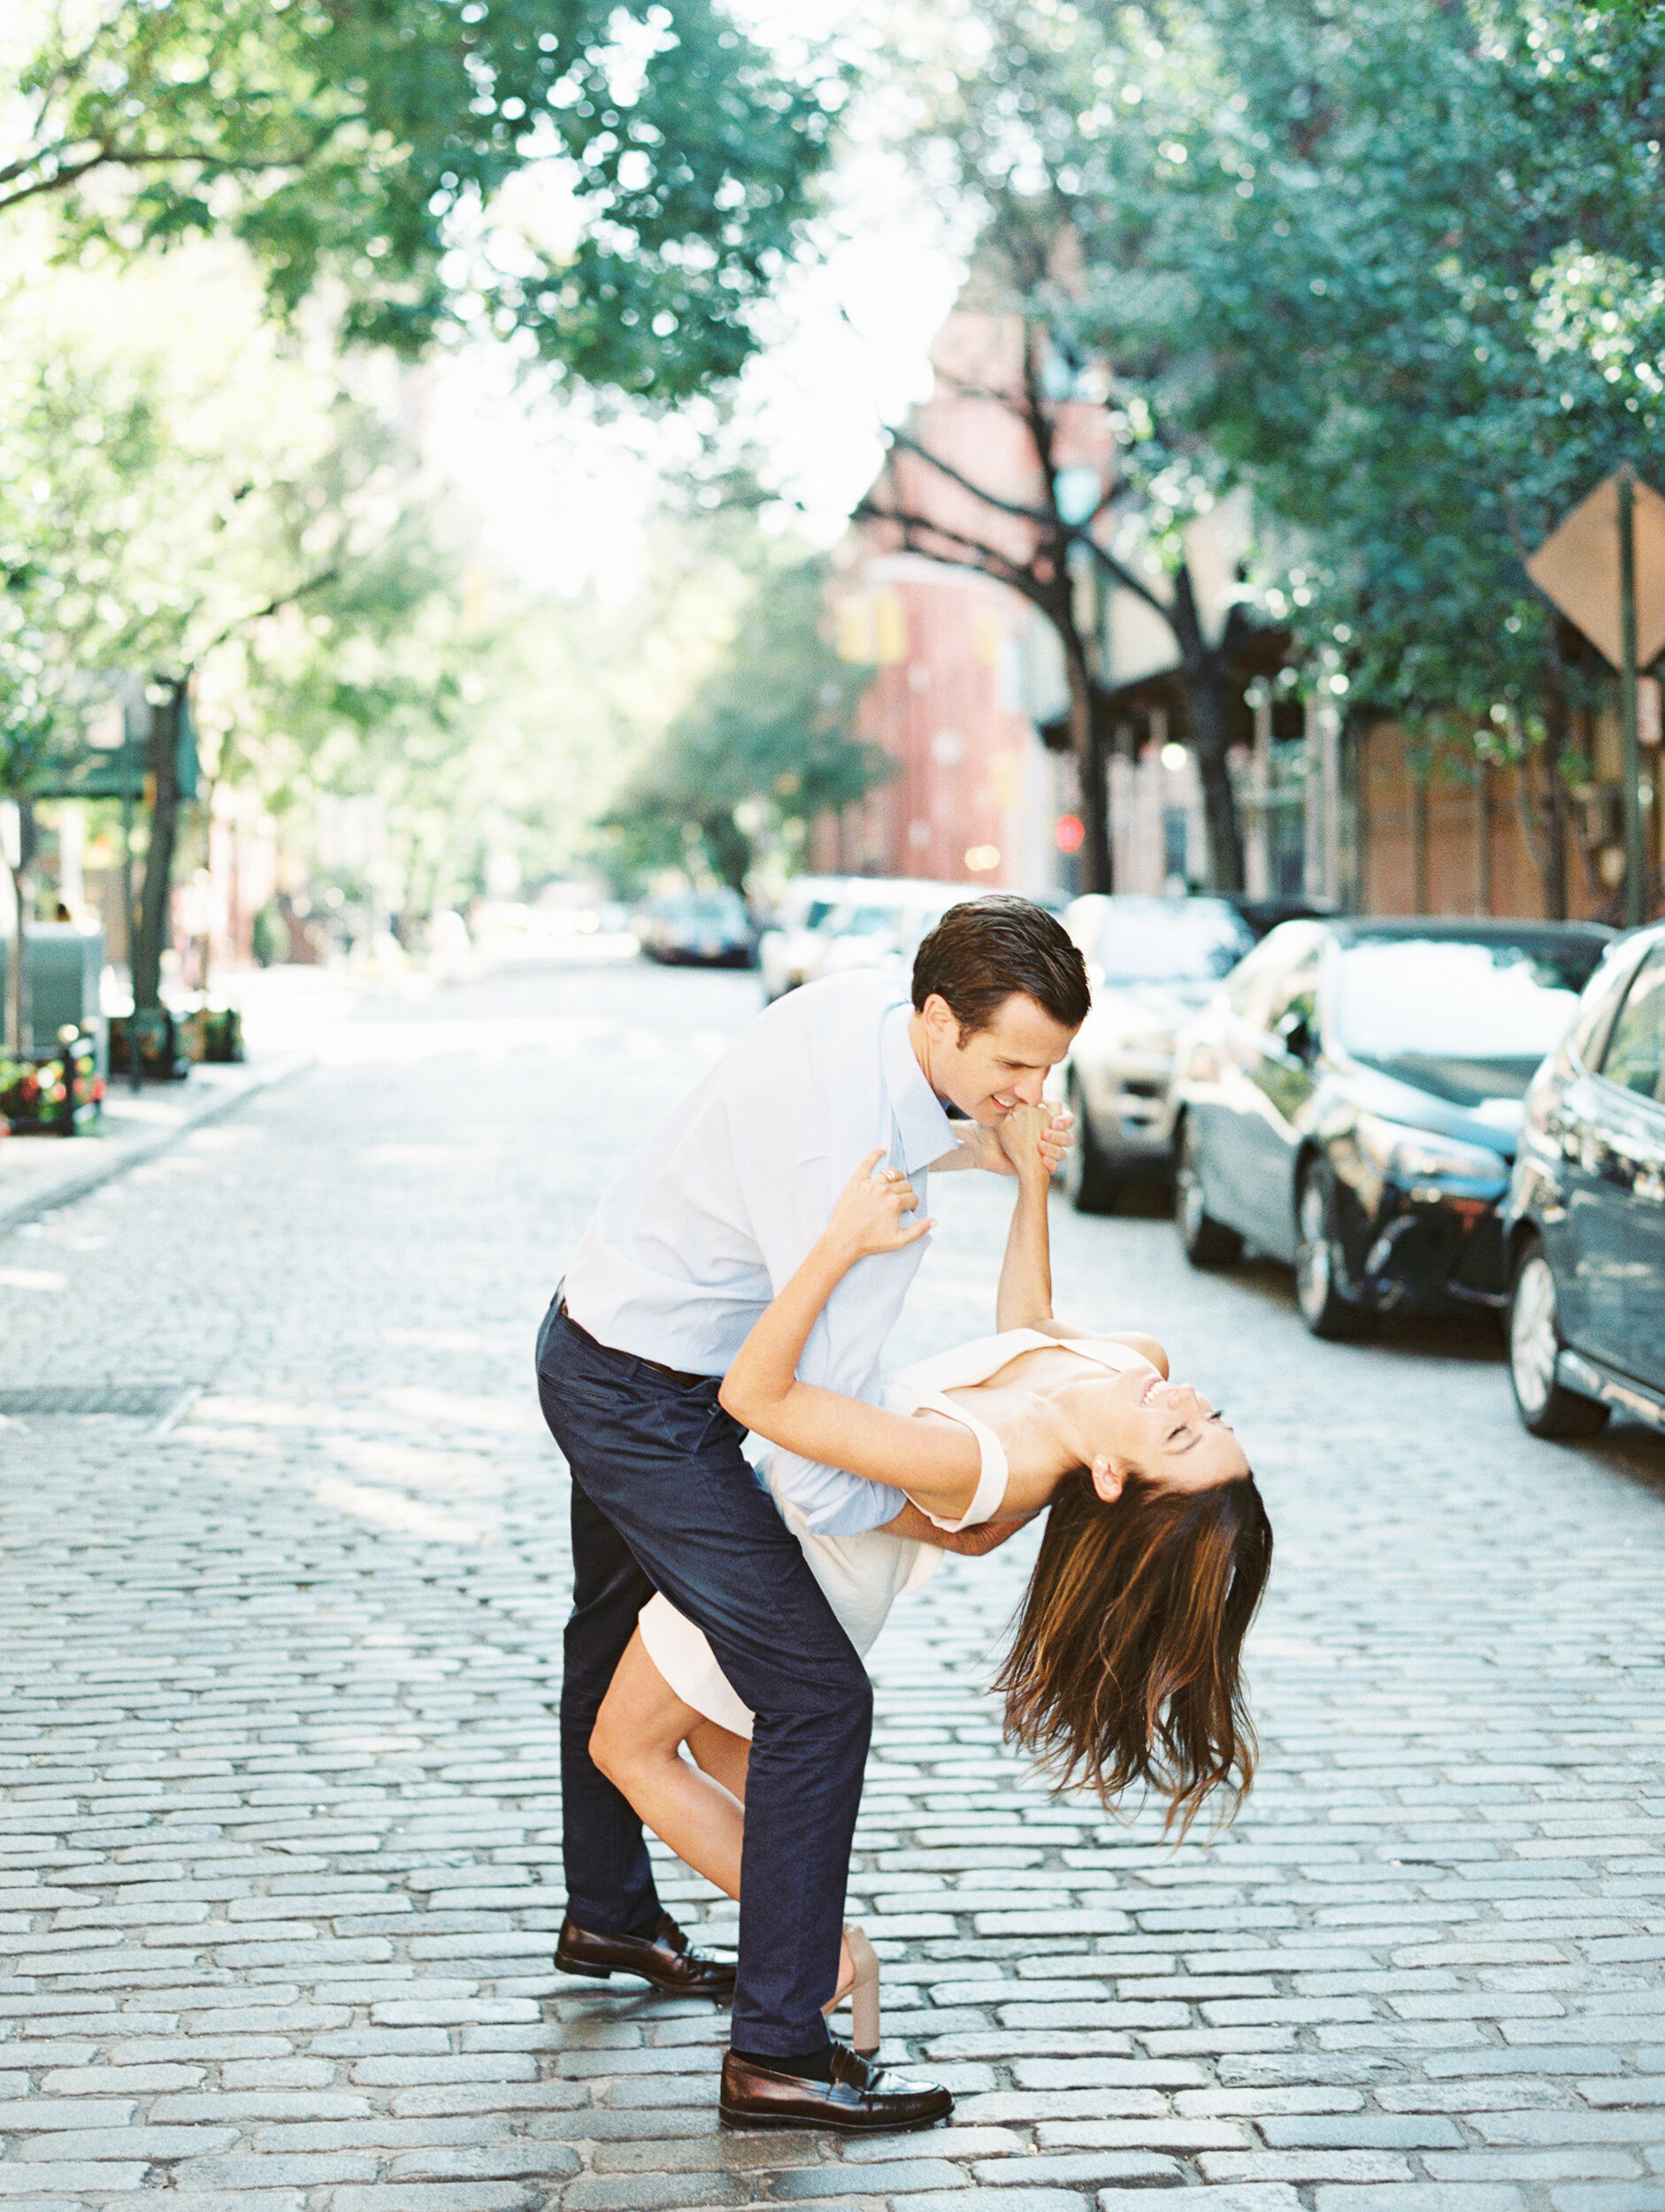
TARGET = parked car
(788,951)
(1584,1221)
(1153,963)
(1350,1102)
(884,922)
(710,927)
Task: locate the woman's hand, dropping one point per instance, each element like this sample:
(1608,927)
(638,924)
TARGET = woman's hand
(868,1215)
(1034,1138)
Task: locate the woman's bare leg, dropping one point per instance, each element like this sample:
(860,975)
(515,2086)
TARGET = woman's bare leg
(723,1755)
(637,1743)
(699,1811)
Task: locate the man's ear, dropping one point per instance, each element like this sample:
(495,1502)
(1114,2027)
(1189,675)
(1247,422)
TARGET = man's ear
(1107,1479)
(938,1017)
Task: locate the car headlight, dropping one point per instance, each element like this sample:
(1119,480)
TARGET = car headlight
(1418,1155)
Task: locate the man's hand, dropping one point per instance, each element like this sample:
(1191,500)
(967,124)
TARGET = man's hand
(972,1543)
(985,1147)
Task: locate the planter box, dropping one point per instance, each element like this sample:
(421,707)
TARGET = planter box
(162,1057)
(212,1034)
(51,1098)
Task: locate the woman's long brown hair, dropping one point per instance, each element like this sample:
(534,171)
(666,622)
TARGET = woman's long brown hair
(1125,1663)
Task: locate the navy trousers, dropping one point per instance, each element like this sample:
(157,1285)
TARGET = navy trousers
(662,1498)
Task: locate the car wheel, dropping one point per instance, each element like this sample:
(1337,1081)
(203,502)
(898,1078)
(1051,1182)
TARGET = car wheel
(1088,1183)
(1318,1296)
(1208,1243)
(1545,1408)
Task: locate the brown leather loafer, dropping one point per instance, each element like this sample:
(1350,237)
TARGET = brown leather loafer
(666,1959)
(861,2097)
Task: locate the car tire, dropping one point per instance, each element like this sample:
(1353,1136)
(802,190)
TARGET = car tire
(1546,1406)
(1208,1243)
(1318,1297)
(1088,1183)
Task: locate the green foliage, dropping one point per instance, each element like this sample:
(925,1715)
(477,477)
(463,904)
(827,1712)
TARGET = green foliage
(152,433)
(615,184)
(1394,266)
(761,747)
(1423,245)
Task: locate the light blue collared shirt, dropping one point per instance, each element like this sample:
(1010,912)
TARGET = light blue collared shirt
(709,1218)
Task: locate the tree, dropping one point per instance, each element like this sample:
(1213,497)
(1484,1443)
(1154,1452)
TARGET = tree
(764,744)
(615,184)
(1019,117)
(173,478)
(1418,250)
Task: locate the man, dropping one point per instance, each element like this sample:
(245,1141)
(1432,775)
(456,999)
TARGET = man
(691,1240)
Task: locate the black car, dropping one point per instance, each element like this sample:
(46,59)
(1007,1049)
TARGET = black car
(1350,1101)
(707,928)
(1586,1217)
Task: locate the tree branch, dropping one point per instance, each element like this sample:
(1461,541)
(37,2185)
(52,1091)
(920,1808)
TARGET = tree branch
(915,527)
(1125,577)
(272,606)
(1043,517)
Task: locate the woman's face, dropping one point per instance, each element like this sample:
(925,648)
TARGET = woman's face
(1167,1431)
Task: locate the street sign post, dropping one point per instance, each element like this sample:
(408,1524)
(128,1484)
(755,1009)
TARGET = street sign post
(1604,567)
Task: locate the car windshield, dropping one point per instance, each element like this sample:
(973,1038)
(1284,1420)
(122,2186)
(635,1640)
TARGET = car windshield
(1465,1021)
(1180,942)
(868,921)
(719,907)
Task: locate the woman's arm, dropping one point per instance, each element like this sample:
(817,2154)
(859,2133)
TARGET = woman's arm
(1024,1298)
(936,1462)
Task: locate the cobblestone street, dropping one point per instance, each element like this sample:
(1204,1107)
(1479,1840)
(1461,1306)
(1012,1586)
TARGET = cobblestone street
(281,1860)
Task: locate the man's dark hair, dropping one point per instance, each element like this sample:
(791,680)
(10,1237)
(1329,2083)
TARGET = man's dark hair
(982,953)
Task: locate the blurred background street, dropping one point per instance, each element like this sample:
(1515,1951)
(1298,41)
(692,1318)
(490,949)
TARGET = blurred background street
(528,534)
(281,1842)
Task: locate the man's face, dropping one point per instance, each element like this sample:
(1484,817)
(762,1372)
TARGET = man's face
(998,1067)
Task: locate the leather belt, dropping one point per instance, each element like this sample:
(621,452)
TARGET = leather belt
(683,1380)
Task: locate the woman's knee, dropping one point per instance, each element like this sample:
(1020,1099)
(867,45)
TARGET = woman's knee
(609,1746)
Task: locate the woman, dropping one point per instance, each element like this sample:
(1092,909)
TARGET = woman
(1124,1664)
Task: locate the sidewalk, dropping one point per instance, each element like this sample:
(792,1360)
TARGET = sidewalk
(285,1013)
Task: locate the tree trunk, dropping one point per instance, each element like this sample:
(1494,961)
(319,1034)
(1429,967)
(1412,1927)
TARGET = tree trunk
(155,901)
(1098,870)
(727,848)
(19,1040)
(1208,695)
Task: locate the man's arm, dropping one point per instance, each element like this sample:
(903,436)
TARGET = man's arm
(971,1543)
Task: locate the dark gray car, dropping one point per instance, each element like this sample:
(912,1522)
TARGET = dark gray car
(1586,1216)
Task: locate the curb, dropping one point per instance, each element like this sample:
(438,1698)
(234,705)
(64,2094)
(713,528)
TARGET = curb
(76,1185)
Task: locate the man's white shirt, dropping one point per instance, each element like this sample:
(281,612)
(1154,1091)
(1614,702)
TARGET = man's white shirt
(709,1218)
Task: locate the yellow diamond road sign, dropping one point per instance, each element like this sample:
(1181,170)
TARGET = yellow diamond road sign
(1577,566)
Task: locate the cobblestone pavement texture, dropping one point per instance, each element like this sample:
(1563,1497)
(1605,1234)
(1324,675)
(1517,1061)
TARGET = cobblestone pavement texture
(281,1852)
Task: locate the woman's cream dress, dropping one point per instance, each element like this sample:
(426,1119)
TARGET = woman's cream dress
(863,1576)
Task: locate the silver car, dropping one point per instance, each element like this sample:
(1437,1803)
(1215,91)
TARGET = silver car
(1152,963)
(790,950)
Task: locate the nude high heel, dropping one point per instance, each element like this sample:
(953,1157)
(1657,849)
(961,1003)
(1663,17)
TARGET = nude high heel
(863,1991)
(864,2030)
